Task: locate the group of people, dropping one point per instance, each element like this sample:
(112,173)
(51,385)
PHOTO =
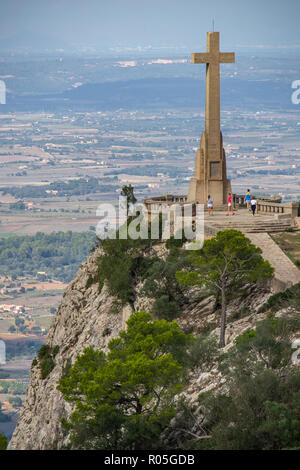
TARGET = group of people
(250,201)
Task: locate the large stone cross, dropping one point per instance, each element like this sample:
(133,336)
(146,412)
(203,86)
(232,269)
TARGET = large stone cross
(213,58)
(210,168)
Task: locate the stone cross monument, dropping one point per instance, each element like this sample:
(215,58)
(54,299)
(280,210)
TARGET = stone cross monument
(210,169)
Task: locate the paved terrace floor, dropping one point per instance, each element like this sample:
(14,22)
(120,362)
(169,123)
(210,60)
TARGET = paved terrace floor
(244,220)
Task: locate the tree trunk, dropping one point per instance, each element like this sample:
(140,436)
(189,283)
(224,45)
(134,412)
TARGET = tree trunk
(223,317)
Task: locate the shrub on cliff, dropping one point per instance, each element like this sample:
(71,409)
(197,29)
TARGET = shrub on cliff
(260,408)
(289,298)
(260,412)
(46,359)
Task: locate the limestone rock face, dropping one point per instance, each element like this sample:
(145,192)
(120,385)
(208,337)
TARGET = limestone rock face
(86,318)
(82,320)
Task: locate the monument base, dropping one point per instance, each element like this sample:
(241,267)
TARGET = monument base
(218,191)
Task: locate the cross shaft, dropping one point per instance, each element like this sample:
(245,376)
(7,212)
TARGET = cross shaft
(213,58)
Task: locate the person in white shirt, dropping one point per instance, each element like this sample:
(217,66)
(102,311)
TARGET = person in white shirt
(253,205)
(210,205)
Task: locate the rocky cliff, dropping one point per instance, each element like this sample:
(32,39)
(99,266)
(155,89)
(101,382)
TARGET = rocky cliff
(85,318)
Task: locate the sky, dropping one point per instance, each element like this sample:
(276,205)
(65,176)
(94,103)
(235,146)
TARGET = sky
(106,24)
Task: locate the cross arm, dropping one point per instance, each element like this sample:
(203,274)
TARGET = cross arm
(227,57)
(200,58)
(207,58)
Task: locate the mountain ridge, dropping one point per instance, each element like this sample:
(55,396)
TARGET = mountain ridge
(84,318)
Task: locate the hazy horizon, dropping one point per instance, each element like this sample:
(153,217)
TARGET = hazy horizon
(132,25)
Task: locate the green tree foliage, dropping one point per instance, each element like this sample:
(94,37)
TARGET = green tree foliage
(260,408)
(120,264)
(173,243)
(266,347)
(202,353)
(46,358)
(59,254)
(224,265)
(165,308)
(289,298)
(126,398)
(128,191)
(123,261)
(160,283)
(260,412)
(3,442)
(160,275)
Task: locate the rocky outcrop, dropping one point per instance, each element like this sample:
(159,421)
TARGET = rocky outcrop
(82,320)
(86,318)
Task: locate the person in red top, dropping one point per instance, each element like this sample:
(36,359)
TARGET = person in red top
(229,204)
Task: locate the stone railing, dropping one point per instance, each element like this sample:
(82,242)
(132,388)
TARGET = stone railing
(269,205)
(289,209)
(168,199)
(154,203)
(240,199)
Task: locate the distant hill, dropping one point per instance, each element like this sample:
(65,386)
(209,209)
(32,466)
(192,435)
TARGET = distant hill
(179,92)
(160,93)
